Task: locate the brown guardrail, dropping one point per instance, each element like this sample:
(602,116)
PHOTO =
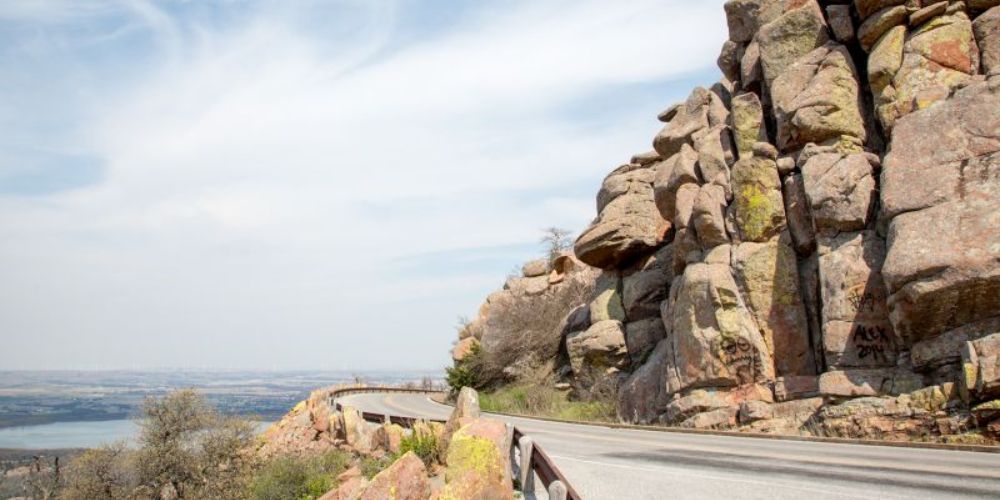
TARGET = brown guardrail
(538,461)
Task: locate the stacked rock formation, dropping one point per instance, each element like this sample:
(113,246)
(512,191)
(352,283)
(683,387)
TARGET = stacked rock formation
(820,225)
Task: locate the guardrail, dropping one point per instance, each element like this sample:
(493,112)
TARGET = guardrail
(527,458)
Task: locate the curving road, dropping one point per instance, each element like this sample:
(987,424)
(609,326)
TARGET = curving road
(610,463)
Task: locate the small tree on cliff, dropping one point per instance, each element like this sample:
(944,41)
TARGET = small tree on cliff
(185,450)
(189,450)
(556,241)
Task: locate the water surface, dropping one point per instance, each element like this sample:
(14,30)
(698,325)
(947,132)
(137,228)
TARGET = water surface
(75,434)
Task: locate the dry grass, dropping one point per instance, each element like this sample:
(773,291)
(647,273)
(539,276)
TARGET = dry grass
(527,331)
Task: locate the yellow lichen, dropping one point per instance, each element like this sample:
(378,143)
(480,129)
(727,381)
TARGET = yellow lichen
(472,453)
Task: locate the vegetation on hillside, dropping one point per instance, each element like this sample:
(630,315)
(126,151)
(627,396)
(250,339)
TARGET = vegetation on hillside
(187,450)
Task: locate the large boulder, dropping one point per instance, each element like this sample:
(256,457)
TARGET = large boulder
(987,30)
(466,407)
(884,61)
(530,287)
(818,99)
(713,408)
(841,191)
(628,223)
(855,322)
(795,33)
(745,17)
(708,215)
(757,202)
(981,367)
(946,348)
(357,432)
(716,340)
(641,337)
(747,123)
(405,479)
(644,396)
(941,190)
(535,268)
(646,286)
(768,276)
(478,461)
(600,347)
(671,175)
(702,110)
(878,23)
(606,303)
(938,57)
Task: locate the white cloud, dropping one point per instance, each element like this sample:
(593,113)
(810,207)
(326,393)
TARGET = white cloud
(260,178)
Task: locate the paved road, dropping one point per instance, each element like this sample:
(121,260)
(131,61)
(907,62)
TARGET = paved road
(624,464)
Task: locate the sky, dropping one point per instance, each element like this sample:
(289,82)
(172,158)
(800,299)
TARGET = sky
(306,184)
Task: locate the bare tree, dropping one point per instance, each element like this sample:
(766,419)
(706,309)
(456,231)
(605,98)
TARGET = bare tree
(556,241)
(106,472)
(44,481)
(187,450)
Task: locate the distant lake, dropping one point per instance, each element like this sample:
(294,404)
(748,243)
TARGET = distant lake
(72,434)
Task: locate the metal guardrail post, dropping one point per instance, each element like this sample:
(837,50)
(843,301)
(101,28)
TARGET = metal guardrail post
(557,491)
(526,475)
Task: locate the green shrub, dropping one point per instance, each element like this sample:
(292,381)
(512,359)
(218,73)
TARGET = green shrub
(370,465)
(466,373)
(298,478)
(424,446)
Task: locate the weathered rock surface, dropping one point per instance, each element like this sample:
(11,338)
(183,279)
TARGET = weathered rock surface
(747,123)
(537,267)
(799,215)
(769,279)
(855,322)
(716,341)
(758,205)
(477,460)
(841,191)
(628,223)
(602,346)
(941,189)
(645,395)
(405,479)
(645,287)
(987,30)
(817,99)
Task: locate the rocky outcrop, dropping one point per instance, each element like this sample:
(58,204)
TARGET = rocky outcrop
(474,456)
(941,195)
(628,223)
(813,243)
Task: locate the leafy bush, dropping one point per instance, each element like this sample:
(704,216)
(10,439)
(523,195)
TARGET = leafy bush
(105,472)
(298,478)
(370,465)
(423,445)
(466,373)
(185,449)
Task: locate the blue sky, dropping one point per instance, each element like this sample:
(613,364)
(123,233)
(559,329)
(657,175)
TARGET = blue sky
(316,184)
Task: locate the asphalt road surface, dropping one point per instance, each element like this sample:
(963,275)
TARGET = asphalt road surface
(601,462)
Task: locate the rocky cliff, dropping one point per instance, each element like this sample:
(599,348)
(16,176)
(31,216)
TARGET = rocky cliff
(813,244)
